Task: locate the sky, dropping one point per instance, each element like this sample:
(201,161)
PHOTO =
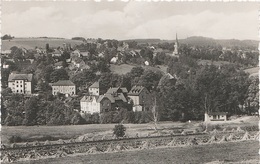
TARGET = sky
(130,20)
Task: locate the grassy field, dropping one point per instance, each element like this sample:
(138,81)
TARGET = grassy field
(125,68)
(72,131)
(252,71)
(233,152)
(209,62)
(31,43)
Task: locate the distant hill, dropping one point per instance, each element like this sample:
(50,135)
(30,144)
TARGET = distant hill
(31,43)
(204,41)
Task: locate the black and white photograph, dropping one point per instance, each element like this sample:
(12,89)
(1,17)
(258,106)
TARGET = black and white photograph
(129,82)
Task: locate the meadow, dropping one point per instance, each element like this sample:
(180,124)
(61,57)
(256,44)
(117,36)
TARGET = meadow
(31,43)
(42,133)
(231,152)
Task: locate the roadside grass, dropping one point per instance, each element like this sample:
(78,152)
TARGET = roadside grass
(231,152)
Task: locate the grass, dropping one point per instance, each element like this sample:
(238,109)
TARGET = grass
(125,68)
(72,131)
(233,152)
(31,43)
(209,62)
(252,71)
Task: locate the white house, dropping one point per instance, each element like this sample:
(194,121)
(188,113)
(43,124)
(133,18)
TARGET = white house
(215,116)
(65,87)
(20,83)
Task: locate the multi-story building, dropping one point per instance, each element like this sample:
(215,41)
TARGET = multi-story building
(112,100)
(65,87)
(141,98)
(20,83)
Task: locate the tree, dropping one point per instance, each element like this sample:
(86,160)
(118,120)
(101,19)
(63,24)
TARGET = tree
(119,130)
(31,108)
(7,37)
(59,74)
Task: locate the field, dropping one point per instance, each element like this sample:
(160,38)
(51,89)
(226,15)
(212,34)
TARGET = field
(252,71)
(31,43)
(72,131)
(125,68)
(209,62)
(232,152)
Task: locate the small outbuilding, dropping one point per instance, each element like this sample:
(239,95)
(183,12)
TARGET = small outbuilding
(215,116)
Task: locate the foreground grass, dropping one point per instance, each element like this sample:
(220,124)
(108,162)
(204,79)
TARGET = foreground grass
(233,152)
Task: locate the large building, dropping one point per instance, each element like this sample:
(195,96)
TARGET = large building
(112,100)
(20,83)
(65,87)
(141,97)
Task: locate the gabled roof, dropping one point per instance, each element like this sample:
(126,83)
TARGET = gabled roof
(13,77)
(135,90)
(58,63)
(113,97)
(63,83)
(116,90)
(95,85)
(89,98)
(217,113)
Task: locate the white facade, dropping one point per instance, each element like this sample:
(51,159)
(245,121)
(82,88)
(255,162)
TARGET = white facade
(67,90)
(20,86)
(215,117)
(90,105)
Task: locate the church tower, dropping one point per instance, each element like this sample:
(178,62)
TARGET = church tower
(176,46)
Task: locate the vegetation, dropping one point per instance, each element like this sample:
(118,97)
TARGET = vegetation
(119,130)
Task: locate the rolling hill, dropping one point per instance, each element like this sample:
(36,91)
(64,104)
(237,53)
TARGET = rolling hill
(31,43)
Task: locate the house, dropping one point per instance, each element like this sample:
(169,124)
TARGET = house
(20,83)
(6,52)
(84,54)
(90,104)
(215,116)
(75,53)
(112,100)
(140,97)
(56,53)
(65,87)
(58,65)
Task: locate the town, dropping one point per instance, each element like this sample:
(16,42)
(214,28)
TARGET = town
(75,85)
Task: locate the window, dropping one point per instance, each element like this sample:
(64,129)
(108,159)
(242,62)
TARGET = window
(17,85)
(21,86)
(21,90)
(17,91)
(16,81)
(13,83)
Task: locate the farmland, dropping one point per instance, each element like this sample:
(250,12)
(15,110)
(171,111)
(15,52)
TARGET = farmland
(72,131)
(125,68)
(233,152)
(31,43)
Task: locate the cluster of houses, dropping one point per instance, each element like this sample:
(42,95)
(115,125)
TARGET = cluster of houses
(137,99)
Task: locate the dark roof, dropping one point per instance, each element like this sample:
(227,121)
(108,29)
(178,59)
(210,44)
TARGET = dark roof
(217,113)
(136,90)
(113,97)
(95,85)
(89,98)
(116,90)
(63,83)
(13,77)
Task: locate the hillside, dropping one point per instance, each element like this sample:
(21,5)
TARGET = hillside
(125,68)
(204,41)
(31,43)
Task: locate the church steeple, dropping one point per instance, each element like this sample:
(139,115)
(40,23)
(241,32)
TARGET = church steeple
(176,46)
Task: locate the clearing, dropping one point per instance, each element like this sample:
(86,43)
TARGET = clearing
(125,68)
(232,152)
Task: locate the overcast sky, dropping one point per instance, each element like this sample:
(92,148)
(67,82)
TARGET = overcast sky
(128,20)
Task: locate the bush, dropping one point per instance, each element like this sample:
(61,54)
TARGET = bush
(119,130)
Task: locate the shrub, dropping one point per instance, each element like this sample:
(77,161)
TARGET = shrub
(119,130)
